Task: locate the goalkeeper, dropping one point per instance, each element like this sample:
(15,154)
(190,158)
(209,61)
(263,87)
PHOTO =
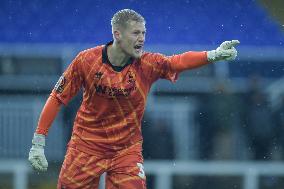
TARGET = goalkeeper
(116,79)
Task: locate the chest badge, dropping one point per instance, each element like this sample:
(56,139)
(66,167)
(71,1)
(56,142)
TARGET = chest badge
(131,77)
(98,75)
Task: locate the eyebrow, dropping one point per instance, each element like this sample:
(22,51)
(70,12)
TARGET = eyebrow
(139,30)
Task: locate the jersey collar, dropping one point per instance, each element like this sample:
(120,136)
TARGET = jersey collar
(106,60)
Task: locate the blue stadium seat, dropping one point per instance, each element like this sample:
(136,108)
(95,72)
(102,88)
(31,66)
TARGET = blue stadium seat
(171,22)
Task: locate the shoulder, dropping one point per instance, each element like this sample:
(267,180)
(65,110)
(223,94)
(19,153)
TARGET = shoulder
(91,53)
(152,57)
(89,56)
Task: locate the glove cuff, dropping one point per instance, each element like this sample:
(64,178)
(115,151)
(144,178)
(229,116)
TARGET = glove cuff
(38,140)
(211,56)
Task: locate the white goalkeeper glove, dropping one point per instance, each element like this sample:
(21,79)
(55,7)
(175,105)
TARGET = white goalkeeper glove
(36,155)
(226,51)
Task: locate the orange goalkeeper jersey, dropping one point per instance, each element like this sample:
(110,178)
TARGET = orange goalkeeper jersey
(114,98)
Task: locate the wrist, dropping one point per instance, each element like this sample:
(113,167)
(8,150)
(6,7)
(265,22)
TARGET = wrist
(211,55)
(38,140)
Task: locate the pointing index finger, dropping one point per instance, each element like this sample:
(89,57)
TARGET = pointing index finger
(233,43)
(229,44)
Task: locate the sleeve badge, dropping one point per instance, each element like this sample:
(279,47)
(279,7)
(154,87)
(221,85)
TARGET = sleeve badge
(59,87)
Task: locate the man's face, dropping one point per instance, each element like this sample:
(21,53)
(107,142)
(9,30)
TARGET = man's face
(131,38)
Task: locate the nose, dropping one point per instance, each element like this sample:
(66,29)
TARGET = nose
(141,38)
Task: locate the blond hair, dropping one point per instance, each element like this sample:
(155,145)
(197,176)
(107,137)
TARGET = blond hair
(124,16)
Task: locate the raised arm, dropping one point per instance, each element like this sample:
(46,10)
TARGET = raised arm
(190,60)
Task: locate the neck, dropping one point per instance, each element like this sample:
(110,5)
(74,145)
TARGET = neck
(116,56)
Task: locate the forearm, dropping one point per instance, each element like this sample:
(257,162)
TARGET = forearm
(188,60)
(48,114)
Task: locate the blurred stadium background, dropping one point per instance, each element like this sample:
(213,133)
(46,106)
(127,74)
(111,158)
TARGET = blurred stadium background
(220,126)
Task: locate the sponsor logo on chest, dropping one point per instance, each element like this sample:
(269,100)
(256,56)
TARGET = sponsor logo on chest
(113,86)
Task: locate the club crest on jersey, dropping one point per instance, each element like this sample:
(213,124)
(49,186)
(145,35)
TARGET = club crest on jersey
(98,75)
(131,77)
(59,87)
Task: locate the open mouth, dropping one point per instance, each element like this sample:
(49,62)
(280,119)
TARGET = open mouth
(138,47)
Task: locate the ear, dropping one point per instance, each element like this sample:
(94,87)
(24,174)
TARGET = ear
(116,35)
